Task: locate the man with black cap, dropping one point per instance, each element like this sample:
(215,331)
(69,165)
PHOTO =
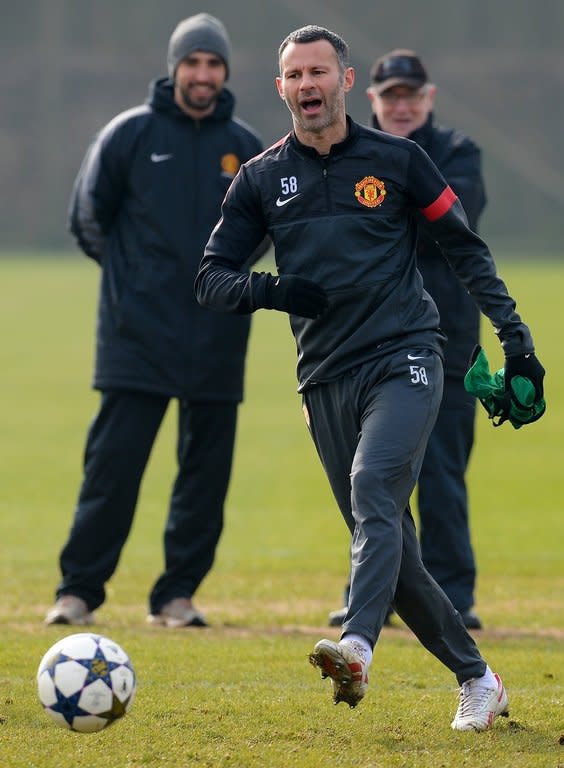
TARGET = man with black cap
(146,198)
(402,100)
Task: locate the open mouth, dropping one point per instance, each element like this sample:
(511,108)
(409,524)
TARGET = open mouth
(311,105)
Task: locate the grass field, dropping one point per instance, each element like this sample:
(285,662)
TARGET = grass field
(242,693)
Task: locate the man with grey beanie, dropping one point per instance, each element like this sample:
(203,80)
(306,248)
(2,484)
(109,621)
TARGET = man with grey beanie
(143,206)
(198,33)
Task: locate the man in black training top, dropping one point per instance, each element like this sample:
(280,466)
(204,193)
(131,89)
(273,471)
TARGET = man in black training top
(339,202)
(402,100)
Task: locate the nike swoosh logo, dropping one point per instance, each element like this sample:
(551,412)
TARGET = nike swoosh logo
(280,203)
(413,357)
(155,158)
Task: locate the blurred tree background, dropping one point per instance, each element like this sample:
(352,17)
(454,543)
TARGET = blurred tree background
(68,66)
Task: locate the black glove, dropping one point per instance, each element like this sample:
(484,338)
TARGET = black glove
(527,366)
(295,295)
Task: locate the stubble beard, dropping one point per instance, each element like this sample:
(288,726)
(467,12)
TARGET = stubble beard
(333,108)
(201,105)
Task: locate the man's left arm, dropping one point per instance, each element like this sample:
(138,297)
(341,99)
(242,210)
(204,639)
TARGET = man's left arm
(473,264)
(461,165)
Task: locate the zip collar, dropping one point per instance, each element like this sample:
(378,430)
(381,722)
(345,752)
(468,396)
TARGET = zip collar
(336,149)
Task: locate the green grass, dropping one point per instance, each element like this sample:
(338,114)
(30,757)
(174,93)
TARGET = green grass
(242,693)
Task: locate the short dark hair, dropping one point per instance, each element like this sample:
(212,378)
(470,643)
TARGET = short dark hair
(310,34)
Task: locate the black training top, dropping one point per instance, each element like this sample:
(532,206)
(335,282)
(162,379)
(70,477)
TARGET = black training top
(347,221)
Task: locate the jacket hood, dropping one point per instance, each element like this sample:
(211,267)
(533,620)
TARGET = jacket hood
(161,99)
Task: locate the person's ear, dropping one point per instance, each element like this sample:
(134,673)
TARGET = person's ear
(349,78)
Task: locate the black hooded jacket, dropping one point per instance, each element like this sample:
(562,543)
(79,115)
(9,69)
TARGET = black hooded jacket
(459,160)
(145,201)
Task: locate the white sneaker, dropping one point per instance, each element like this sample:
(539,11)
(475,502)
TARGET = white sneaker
(69,609)
(346,664)
(179,612)
(479,705)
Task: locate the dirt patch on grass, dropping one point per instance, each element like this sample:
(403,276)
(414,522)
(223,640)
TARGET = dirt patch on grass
(499,633)
(252,616)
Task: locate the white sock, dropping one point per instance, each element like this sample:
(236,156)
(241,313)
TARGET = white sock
(358,640)
(488,680)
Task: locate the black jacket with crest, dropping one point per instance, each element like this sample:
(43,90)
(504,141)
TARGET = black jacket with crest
(145,201)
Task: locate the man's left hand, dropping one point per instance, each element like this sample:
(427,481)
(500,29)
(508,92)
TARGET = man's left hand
(527,366)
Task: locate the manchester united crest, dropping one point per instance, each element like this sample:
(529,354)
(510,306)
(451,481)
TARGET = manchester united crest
(370,191)
(230,164)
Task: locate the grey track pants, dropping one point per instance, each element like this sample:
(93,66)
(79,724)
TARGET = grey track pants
(370,428)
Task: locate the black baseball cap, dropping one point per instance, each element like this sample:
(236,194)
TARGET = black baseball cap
(398,67)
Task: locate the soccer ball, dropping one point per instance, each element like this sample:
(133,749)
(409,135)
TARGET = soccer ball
(85,682)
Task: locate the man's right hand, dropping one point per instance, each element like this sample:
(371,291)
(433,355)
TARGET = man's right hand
(296,295)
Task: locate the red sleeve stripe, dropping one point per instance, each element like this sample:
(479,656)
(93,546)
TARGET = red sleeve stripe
(442,204)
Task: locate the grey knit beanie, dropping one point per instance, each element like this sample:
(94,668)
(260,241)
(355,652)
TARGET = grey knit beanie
(201,32)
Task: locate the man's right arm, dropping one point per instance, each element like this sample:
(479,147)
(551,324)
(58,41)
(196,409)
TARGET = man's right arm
(223,285)
(97,193)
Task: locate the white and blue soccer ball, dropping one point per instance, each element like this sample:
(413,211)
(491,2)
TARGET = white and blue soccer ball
(86,682)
